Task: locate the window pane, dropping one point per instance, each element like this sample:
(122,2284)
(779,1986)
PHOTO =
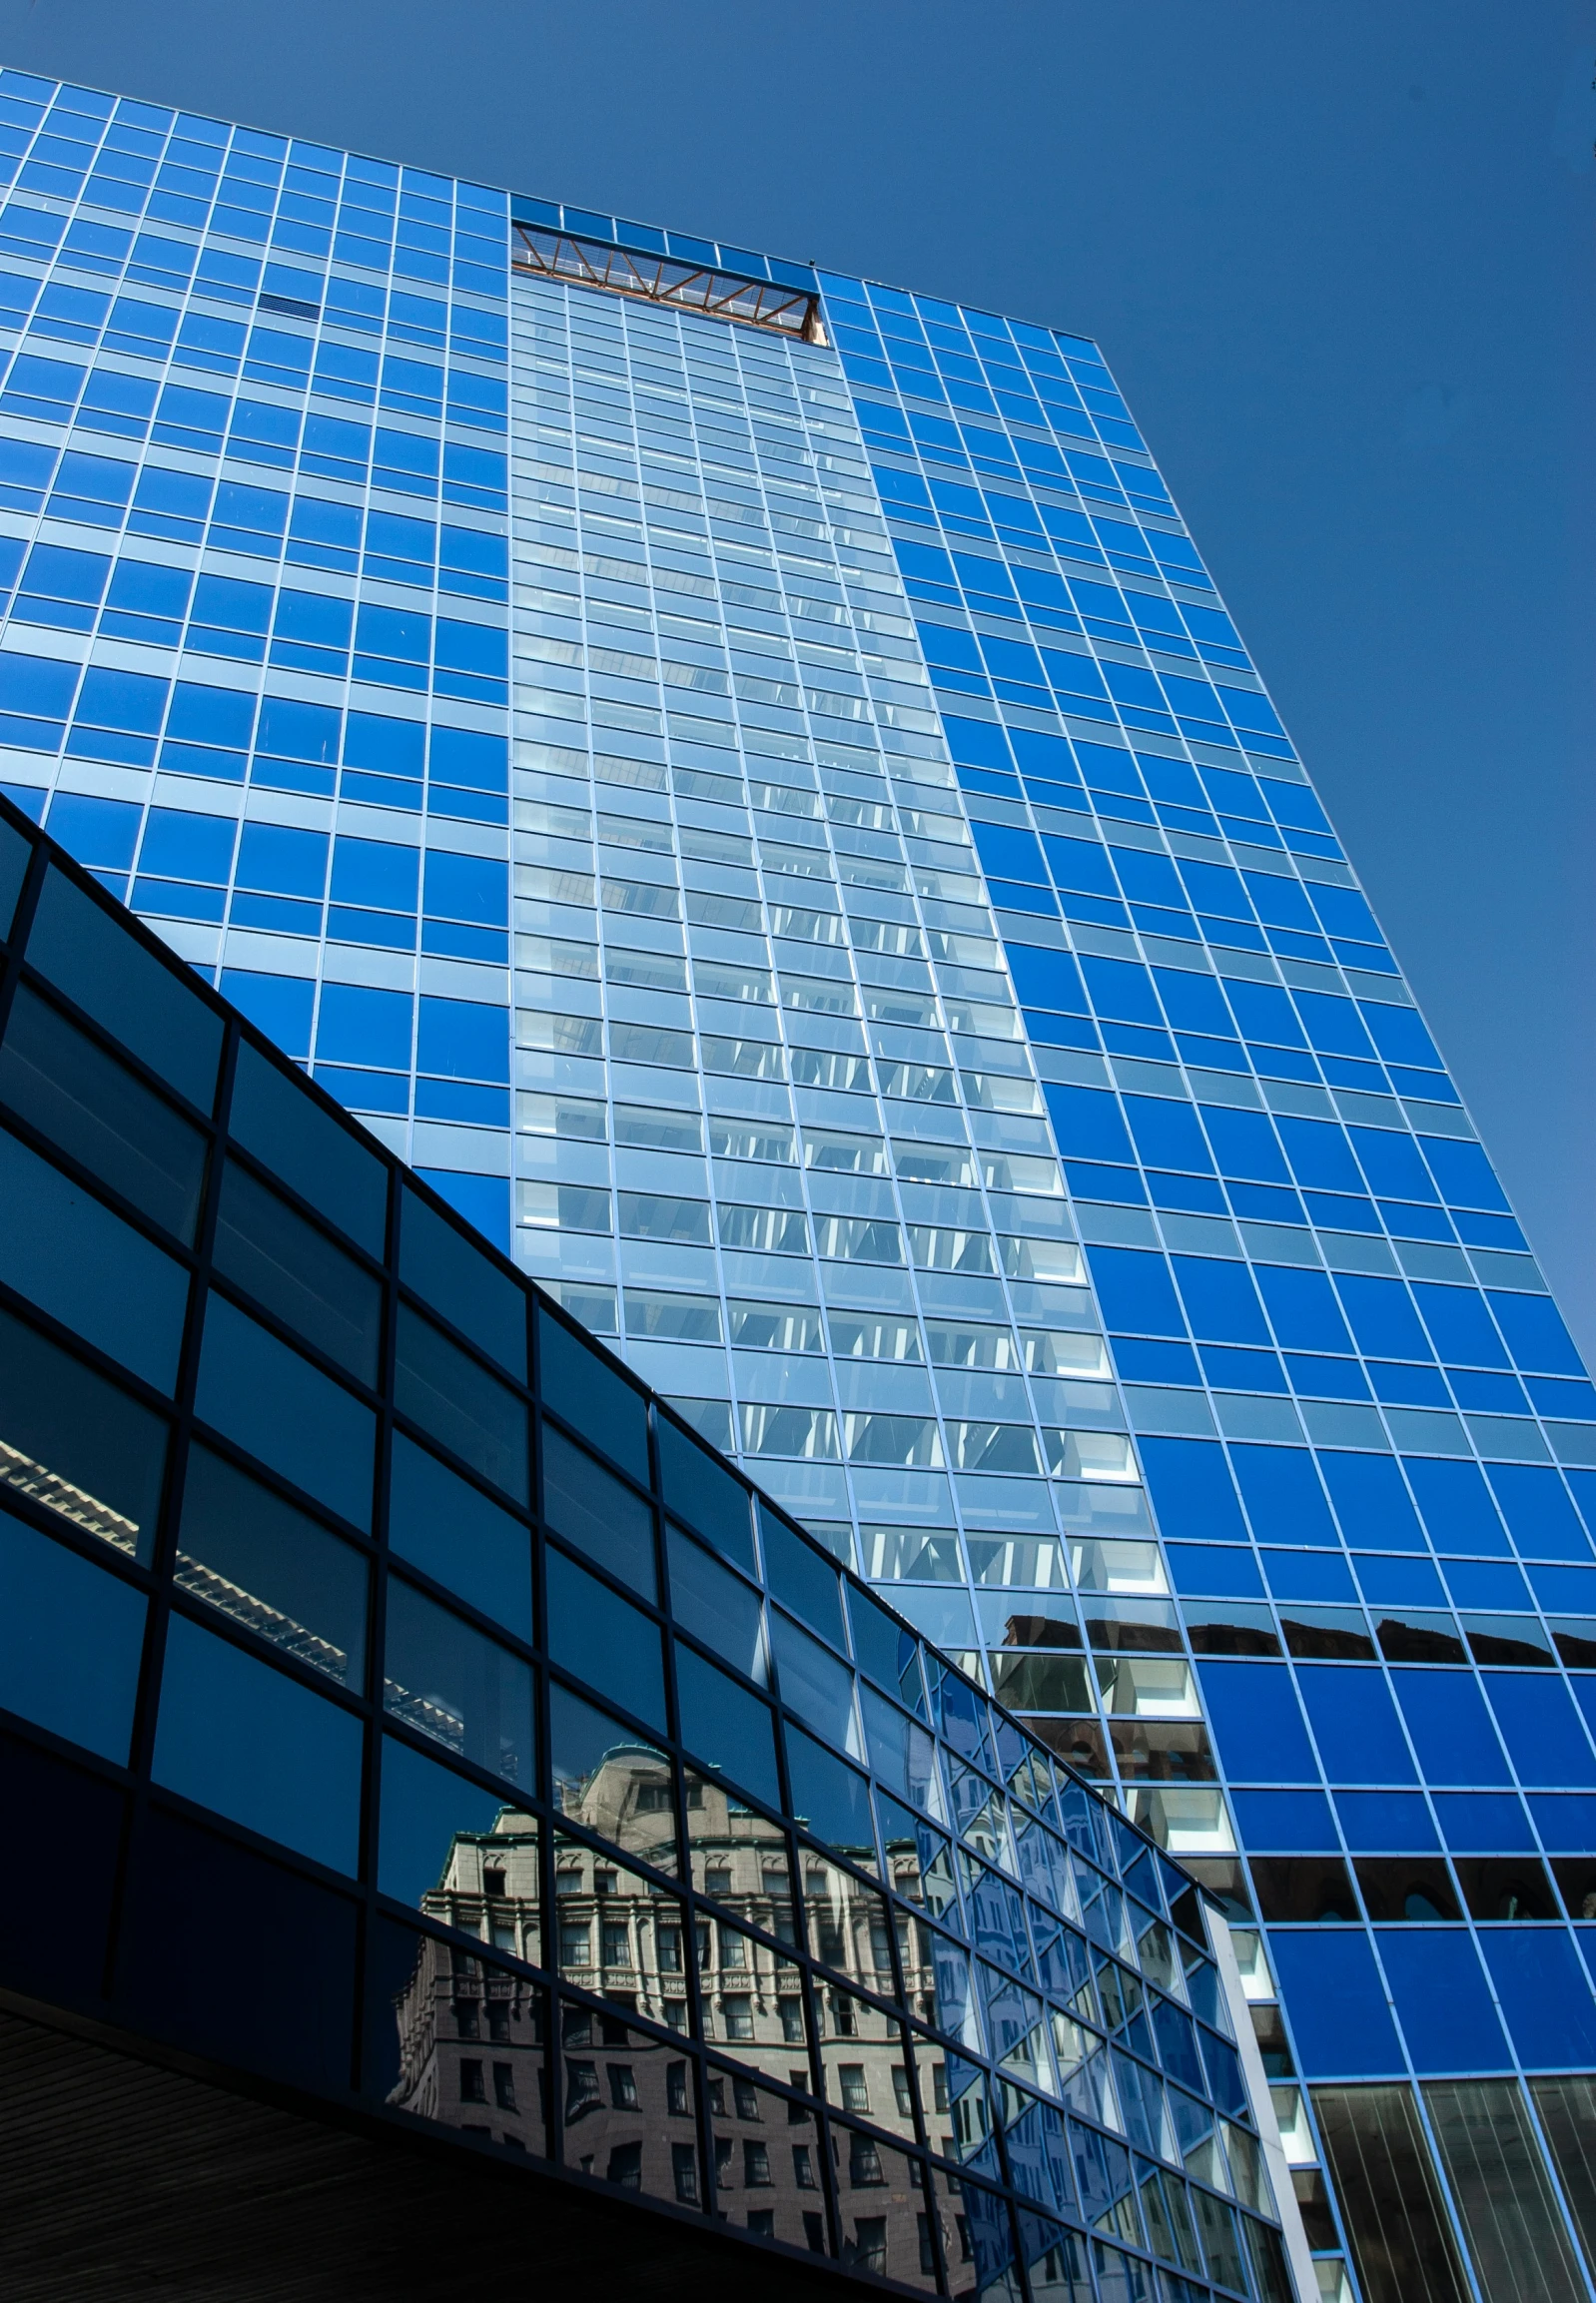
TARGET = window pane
(460,1404)
(280,1407)
(325,1163)
(592,1397)
(68,1254)
(1567,2110)
(427,1809)
(239,1737)
(82,1099)
(1516,2234)
(461,1689)
(449,1528)
(1390,2195)
(591,1508)
(458,1280)
(296,1271)
(70,1638)
(140,1000)
(598,1638)
(77,1443)
(274,1569)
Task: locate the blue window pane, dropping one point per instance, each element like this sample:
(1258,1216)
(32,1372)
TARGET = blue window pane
(1535,1505)
(71,1640)
(1086,1123)
(462,756)
(1535,1333)
(1386,1822)
(1451,1727)
(239,1737)
(184,846)
(1219,1571)
(1383,1317)
(280,1005)
(482,1200)
(359,1024)
(467,888)
(1542,1730)
(1285,1823)
(1443,2000)
(1167,1133)
(1372,1502)
(280,858)
(297,731)
(1391,1164)
(95,831)
(1256,1722)
(1339,2015)
(1320,1156)
(1463,1173)
(1355,1725)
(1309,1575)
(1244,1144)
(376,872)
(1284,1498)
(1460,1327)
(1302,1308)
(1544,1995)
(1191,1490)
(464,1040)
(1220,1301)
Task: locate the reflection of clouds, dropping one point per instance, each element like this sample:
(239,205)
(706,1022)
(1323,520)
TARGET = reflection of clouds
(1433,414)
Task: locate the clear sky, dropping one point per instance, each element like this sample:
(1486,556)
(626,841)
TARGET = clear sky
(1340,258)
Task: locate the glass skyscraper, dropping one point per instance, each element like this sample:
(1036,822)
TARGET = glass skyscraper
(740,777)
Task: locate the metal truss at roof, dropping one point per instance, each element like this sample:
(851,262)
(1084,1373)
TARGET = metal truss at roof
(719,294)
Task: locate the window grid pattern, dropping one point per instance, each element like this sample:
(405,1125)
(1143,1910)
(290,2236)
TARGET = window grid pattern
(1394,1501)
(253,540)
(478,1691)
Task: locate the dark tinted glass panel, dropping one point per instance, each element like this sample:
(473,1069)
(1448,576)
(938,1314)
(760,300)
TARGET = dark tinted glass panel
(64,1957)
(272,1402)
(460,1404)
(292,1939)
(426,1807)
(703,1492)
(726,1727)
(591,1508)
(1567,2110)
(70,1638)
(67,1253)
(717,1606)
(801,1579)
(55,1077)
(461,1282)
(461,1689)
(253,1744)
(140,1000)
(15,852)
(1390,2195)
(273,1569)
(325,1162)
(598,1638)
(592,1397)
(77,1443)
(1514,2231)
(449,1529)
(295,1271)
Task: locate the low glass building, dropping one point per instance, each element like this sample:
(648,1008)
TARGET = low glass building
(740,777)
(417,1717)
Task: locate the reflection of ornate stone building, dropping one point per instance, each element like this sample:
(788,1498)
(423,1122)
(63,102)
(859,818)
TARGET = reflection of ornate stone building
(473,2033)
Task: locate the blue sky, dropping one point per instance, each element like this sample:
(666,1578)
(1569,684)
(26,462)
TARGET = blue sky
(1340,262)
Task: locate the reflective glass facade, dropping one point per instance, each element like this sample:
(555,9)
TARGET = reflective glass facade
(439,1727)
(742,778)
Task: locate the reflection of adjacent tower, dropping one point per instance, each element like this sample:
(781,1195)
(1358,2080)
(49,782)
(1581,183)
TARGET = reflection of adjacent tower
(472,2032)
